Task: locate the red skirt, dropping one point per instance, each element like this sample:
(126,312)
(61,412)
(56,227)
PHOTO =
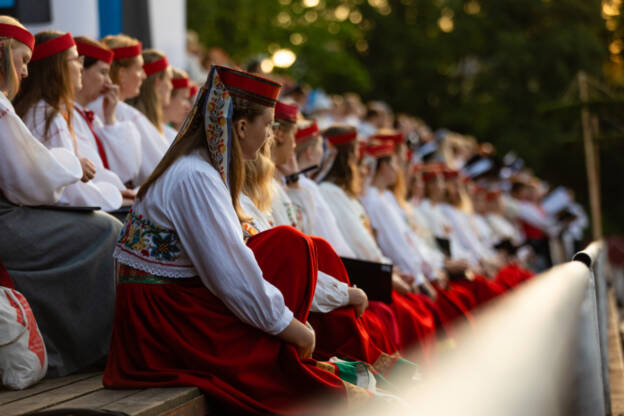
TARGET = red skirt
(175,332)
(452,307)
(481,289)
(339,332)
(512,275)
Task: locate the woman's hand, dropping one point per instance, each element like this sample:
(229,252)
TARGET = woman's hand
(301,336)
(109,102)
(88,169)
(399,284)
(128,196)
(358,299)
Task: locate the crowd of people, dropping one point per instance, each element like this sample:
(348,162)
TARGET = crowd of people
(215,236)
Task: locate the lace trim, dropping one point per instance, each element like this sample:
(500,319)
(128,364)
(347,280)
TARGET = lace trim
(156,269)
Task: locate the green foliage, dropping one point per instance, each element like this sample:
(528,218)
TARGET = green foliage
(491,76)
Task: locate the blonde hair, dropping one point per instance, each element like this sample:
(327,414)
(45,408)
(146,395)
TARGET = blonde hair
(258,184)
(119,41)
(147,101)
(11,79)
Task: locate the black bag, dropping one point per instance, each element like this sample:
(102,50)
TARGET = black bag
(373,278)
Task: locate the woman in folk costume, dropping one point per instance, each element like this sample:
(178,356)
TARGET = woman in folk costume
(379,319)
(58,260)
(338,330)
(107,142)
(195,304)
(46,104)
(154,94)
(174,113)
(127,72)
(340,190)
(291,203)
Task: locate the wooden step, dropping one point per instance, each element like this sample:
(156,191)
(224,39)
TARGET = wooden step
(86,391)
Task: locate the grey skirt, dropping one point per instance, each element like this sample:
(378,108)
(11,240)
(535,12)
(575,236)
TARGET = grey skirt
(62,262)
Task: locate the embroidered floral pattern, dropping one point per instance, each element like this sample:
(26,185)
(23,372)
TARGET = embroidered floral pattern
(142,237)
(249,230)
(217,113)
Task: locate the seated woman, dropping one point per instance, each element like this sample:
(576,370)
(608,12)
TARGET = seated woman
(339,332)
(61,261)
(340,188)
(107,142)
(128,73)
(174,113)
(46,104)
(195,305)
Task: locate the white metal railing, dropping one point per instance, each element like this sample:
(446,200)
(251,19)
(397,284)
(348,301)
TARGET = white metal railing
(539,350)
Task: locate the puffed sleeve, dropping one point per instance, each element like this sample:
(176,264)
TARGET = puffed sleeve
(201,211)
(30,174)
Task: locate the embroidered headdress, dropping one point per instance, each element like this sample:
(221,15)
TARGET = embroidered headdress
(215,97)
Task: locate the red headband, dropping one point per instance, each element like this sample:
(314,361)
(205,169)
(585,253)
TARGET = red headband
(306,133)
(156,66)
(194,89)
(95,52)
(52,46)
(395,138)
(127,51)
(286,112)
(380,150)
(449,173)
(179,83)
(342,139)
(249,86)
(427,176)
(17,33)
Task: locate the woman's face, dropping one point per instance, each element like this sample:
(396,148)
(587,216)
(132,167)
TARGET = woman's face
(21,57)
(316,151)
(389,170)
(94,79)
(253,133)
(130,79)
(284,145)
(164,87)
(178,107)
(418,185)
(74,67)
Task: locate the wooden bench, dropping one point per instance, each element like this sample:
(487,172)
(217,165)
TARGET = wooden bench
(86,391)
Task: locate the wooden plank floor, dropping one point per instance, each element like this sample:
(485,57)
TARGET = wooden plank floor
(616,360)
(87,392)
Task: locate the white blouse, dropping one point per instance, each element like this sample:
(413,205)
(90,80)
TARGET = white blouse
(186,226)
(393,234)
(353,223)
(169,132)
(466,233)
(324,222)
(121,141)
(329,293)
(504,229)
(153,144)
(87,147)
(31,174)
(98,191)
(283,211)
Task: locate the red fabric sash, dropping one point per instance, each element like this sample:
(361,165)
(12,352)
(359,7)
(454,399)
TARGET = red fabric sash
(5,279)
(512,275)
(88,117)
(181,334)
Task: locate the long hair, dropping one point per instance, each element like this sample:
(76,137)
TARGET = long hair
(344,172)
(119,41)
(258,185)
(147,101)
(194,137)
(48,80)
(10,77)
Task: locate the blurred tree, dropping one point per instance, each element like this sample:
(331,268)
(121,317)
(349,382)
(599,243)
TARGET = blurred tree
(482,67)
